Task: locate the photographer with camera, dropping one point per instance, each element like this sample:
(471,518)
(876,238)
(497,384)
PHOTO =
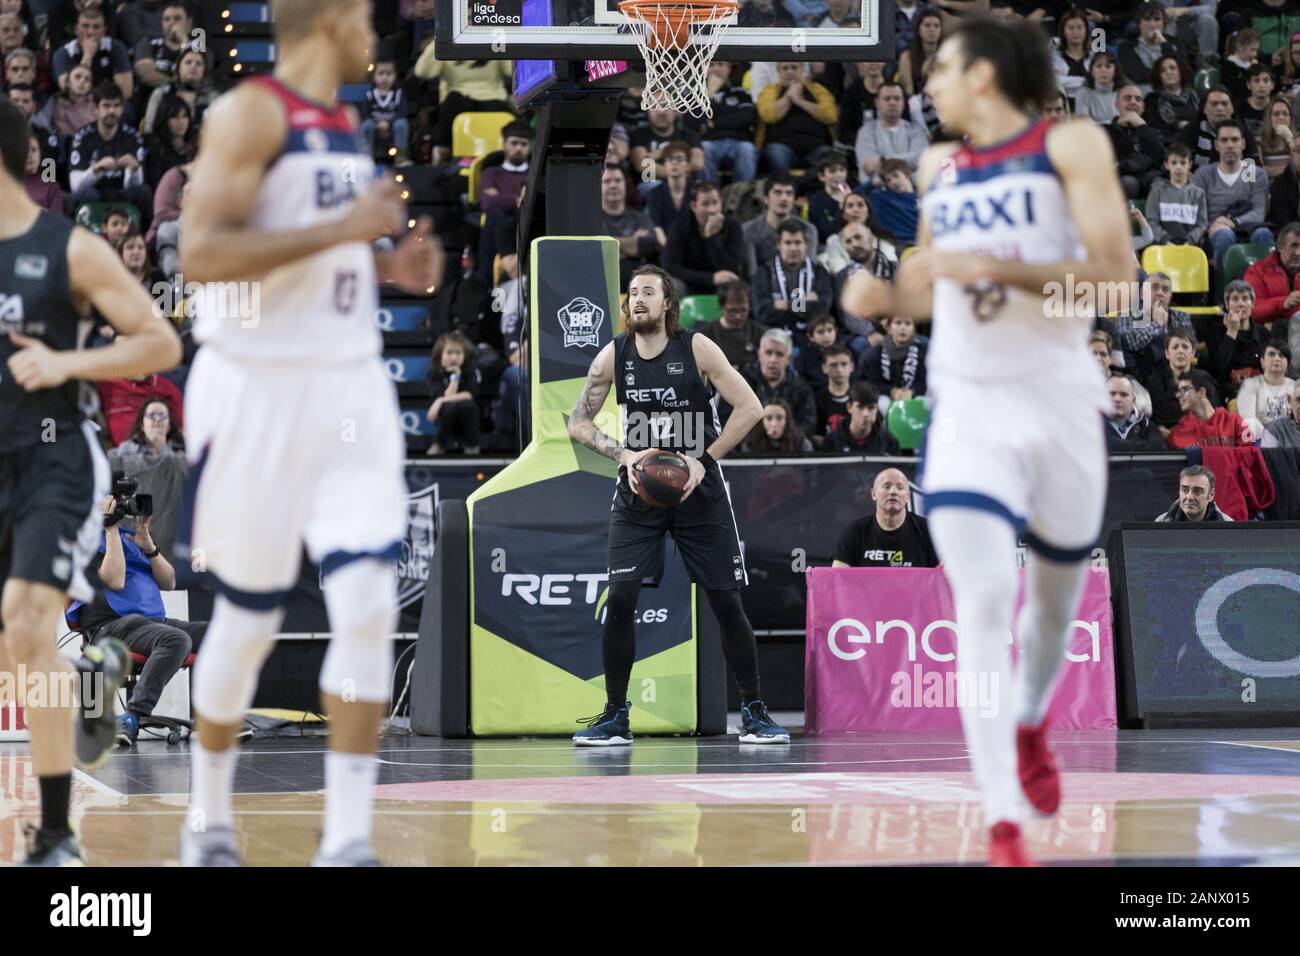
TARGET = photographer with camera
(129,606)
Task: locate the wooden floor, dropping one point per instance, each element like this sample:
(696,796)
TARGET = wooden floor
(1132,797)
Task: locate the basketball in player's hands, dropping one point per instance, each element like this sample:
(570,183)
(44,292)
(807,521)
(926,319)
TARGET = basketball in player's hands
(662,477)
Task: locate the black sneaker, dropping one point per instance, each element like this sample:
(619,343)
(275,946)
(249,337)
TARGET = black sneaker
(609,728)
(101,671)
(54,848)
(758,727)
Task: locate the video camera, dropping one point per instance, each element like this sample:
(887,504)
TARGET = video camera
(127,504)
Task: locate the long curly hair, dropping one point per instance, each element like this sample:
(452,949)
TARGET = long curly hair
(672,300)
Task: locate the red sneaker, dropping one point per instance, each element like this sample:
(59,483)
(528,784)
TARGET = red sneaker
(1039,777)
(1007,847)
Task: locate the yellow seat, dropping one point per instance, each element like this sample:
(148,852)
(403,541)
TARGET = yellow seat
(477,134)
(747,81)
(1186,266)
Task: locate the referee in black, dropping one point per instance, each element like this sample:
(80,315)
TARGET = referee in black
(666,378)
(53,474)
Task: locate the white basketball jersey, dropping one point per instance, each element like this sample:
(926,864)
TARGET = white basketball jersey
(1006,202)
(320,309)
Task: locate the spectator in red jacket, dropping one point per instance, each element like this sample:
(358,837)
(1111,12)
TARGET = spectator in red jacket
(1277,294)
(1202,424)
(121,399)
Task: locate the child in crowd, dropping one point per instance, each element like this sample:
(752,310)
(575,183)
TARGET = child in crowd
(454,383)
(1176,208)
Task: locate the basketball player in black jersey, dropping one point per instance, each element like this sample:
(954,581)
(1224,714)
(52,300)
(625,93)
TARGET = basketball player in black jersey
(666,378)
(53,474)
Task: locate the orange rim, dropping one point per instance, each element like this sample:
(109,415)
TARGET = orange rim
(680,11)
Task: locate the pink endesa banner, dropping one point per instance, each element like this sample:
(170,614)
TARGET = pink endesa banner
(880,654)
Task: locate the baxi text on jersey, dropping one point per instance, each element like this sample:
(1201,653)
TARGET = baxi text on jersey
(333,191)
(1011,209)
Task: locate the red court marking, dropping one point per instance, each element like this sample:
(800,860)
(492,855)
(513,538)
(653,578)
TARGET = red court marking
(880,788)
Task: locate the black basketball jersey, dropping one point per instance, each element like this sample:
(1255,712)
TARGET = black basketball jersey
(664,400)
(36,301)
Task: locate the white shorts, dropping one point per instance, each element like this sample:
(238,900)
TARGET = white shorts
(287,456)
(1034,453)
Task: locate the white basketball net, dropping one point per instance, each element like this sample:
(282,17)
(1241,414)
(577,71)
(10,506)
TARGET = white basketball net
(676,76)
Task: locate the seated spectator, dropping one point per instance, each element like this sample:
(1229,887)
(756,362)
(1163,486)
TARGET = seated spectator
(833,255)
(1176,208)
(73,107)
(1236,195)
(137,20)
(1273,281)
(153,435)
(1243,53)
(887,135)
(107,157)
(777,434)
(107,59)
(1071,53)
(1284,431)
(501,186)
(668,199)
(705,250)
(1288,76)
(1236,345)
(638,239)
(858,103)
(647,142)
(464,86)
(823,334)
(856,248)
(509,296)
(1263,398)
(174,143)
(1056,108)
(1127,429)
(154,455)
(798,116)
(840,15)
(761,232)
(893,537)
(825,206)
(40,182)
(1141,334)
(120,400)
(20,70)
(454,383)
(1162,383)
(1138,150)
(132,572)
(116,226)
(1195,27)
(864,431)
(791,286)
(1195,497)
(833,397)
(167,198)
(1096,98)
(508,412)
(1139,55)
(135,256)
(156,56)
(764,14)
(167,241)
(1276,138)
(1102,346)
(735,332)
(1200,136)
(926,37)
(896,204)
(385,115)
(727,137)
(1203,425)
(1252,110)
(191,84)
(1172,104)
(896,367)
(771,376)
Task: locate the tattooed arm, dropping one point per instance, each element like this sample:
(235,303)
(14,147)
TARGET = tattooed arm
(582,426)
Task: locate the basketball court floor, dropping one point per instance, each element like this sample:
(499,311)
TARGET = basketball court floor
(1183,797)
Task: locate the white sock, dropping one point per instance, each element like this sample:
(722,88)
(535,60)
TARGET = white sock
(978,551)
(1052,592)
(349,799)
(212,777)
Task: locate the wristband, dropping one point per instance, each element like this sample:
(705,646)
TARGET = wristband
(706,460)
(152,554)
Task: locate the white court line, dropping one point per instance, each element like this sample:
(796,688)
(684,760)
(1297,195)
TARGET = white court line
(95,784)
(742,768)
(1235,743)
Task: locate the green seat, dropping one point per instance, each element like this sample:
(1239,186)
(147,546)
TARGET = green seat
(698,309)
(1205,80)
(907,421)
(92,214)
(1238,259)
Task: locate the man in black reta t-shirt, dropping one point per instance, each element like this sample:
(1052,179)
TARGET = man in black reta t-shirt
(665,379)
(893,537)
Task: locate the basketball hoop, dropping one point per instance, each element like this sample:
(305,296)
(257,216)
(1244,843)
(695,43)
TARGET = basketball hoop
(677,39)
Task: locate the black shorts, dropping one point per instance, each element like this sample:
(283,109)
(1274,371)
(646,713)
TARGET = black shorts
(703,530)
(50,519)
